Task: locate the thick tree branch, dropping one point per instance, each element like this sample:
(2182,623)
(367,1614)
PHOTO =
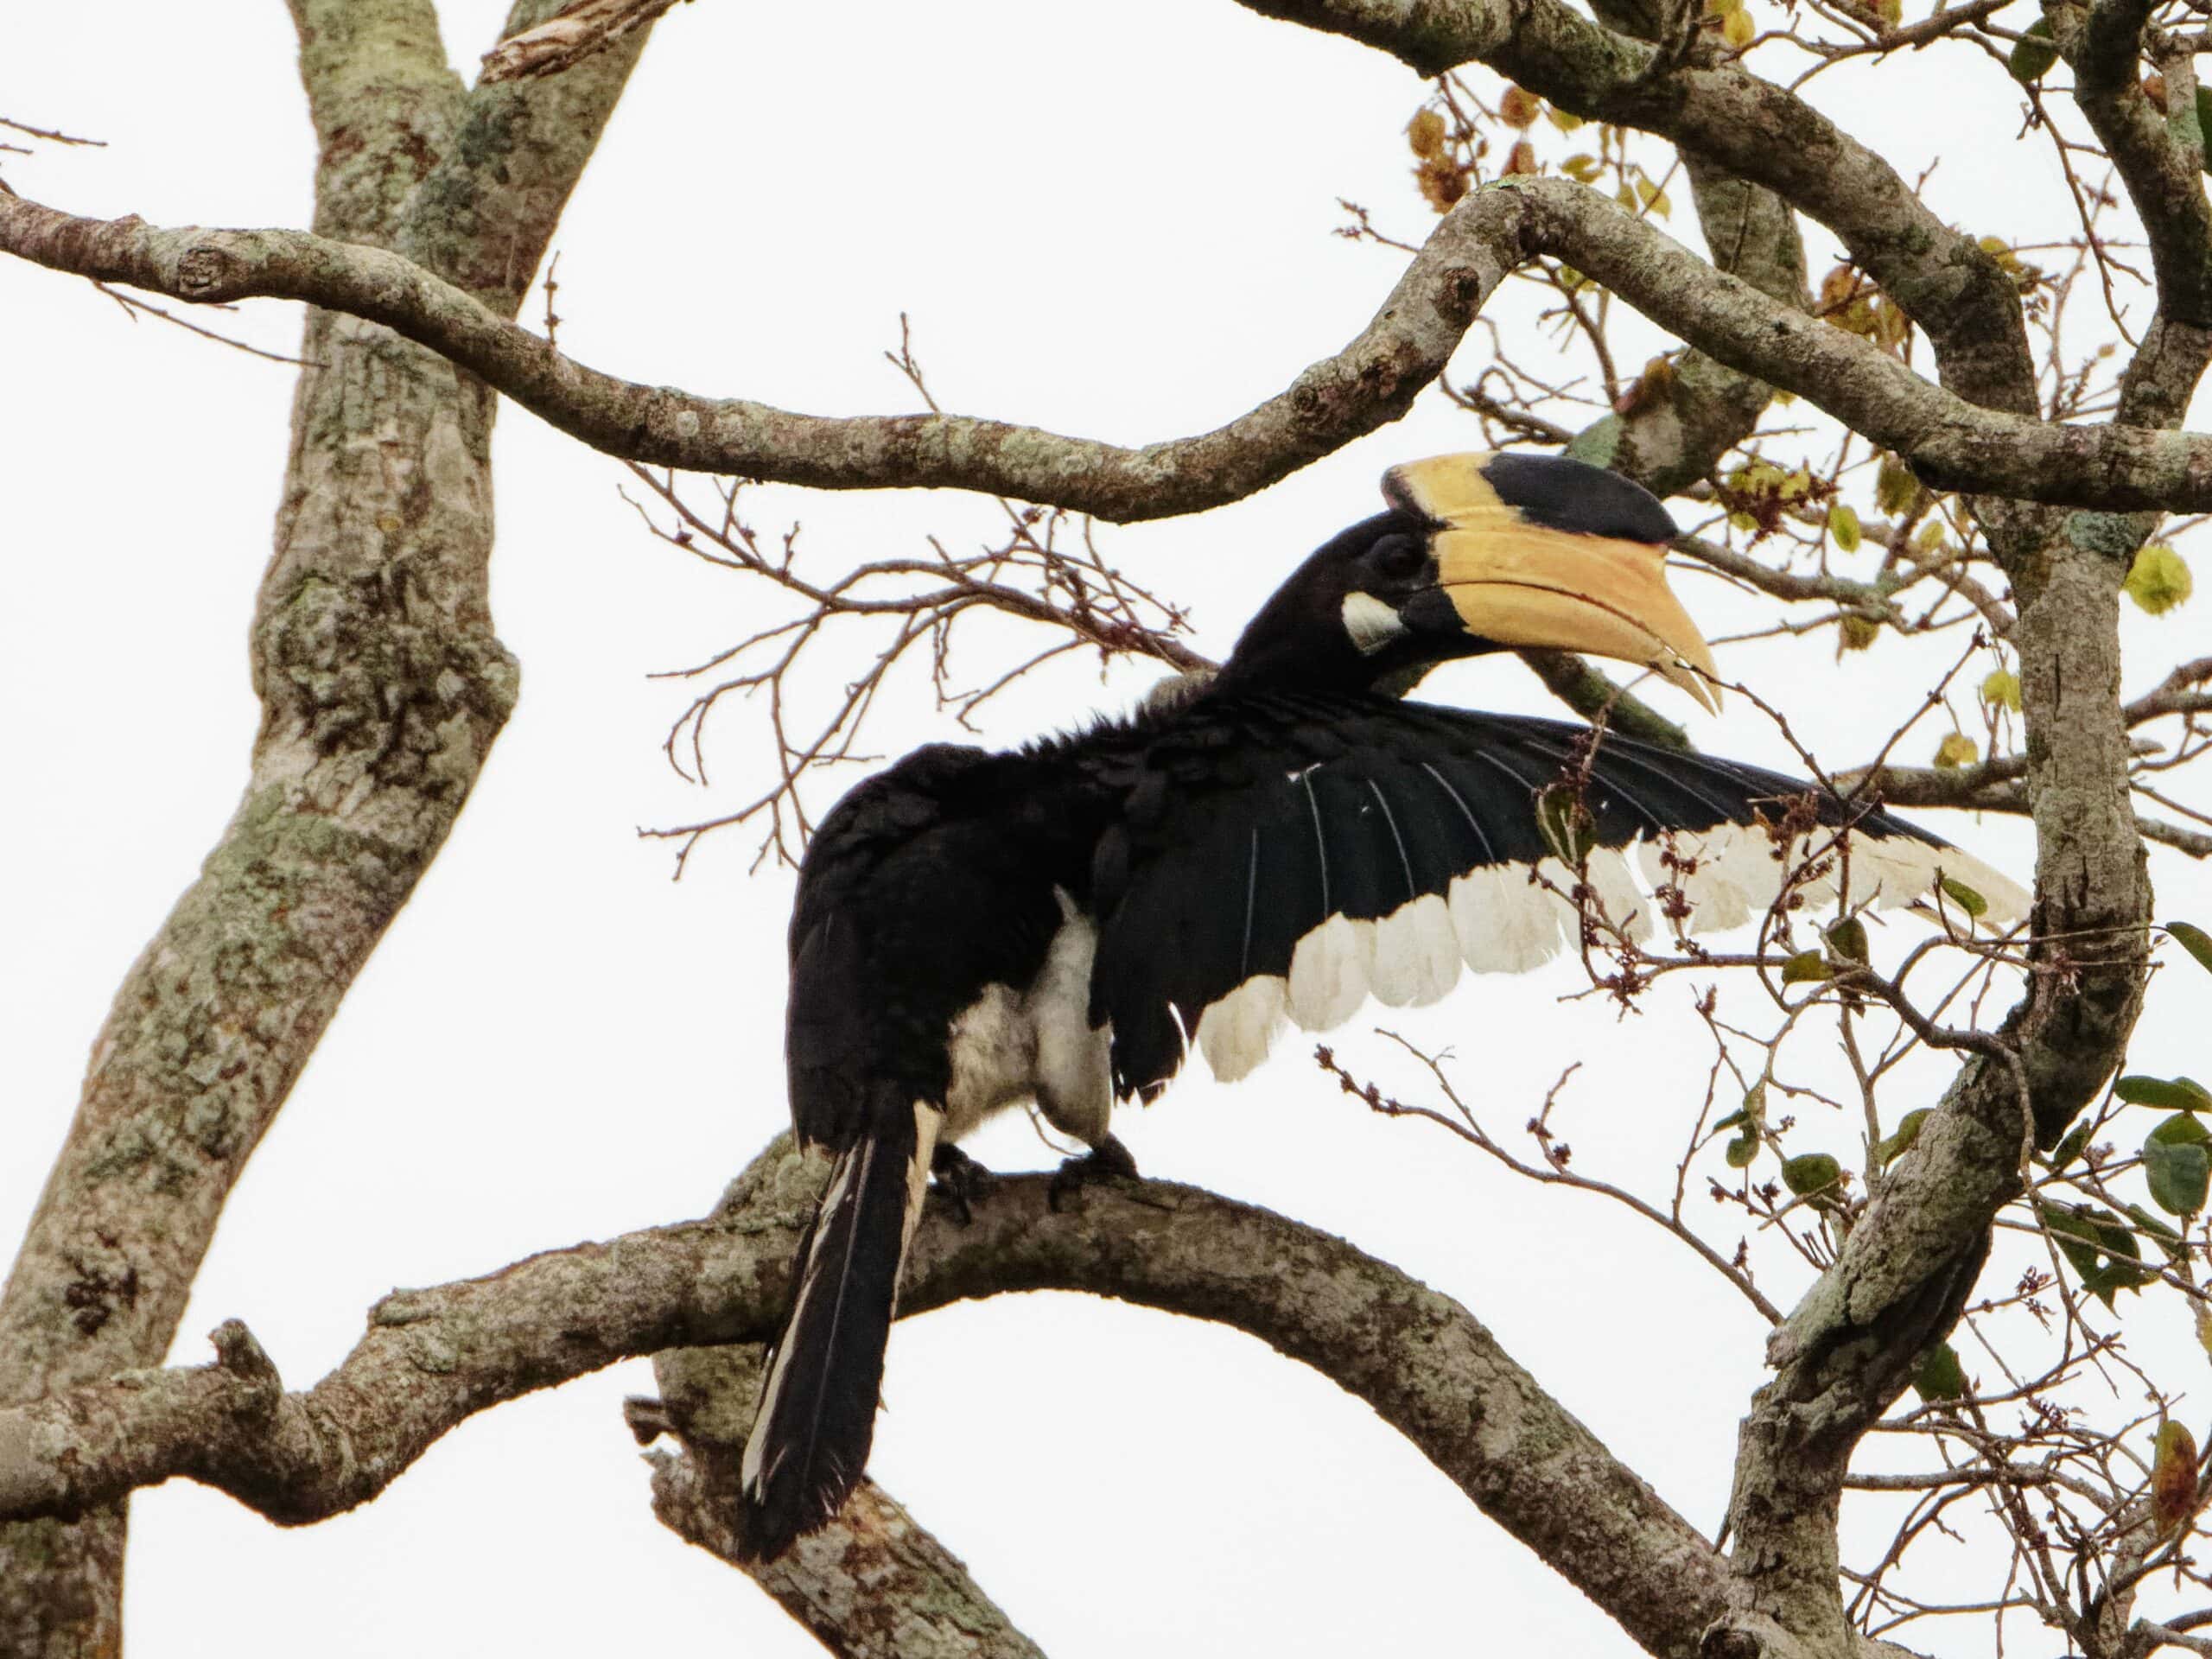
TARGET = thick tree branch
(874,1584)
(1951,442)
(1909,1264)
(382,687)
(2161,164)
(431,1358)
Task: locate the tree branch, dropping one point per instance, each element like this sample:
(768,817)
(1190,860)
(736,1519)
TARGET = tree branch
(1951,442)
(2162,172)
(431,1358)
(382,686)
(581,29)
(874,1584)
(1723,113)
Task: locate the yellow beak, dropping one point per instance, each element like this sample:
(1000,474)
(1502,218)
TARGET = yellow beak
(1519,582)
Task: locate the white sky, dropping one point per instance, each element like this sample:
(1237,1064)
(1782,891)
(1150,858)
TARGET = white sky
(1114,221)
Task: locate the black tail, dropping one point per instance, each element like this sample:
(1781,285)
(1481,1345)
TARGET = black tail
(811,1439)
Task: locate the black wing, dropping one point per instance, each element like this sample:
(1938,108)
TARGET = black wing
(926,884)
(1280,859)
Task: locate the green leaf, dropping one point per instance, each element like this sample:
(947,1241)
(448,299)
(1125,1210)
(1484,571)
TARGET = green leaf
(1744,1148)
(1939,1376)
(2161,1233)
(1567,828)
(2181,1130)
(1965,898)
(1847,938)
(2073,1235)
(2100,1246)
(1900,1141)
(1805,966)
(2077,1140)
(1843,524)
(1810,1172)
(2178,1168)
(1895,490)
(2194,940)
(2175,1095)
(2204,119)
(2033,54)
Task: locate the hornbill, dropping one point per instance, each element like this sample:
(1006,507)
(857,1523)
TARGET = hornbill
(1062,924)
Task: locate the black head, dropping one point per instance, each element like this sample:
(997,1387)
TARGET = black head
(1478,552)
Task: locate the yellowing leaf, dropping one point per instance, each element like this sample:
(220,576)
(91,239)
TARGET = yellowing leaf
(2159,579)
(1738,28)
(1956,750)
(1895,490)
(1425,134)
(2173,1477)
(1519,107)
(1583,170)
(2002,689)
(1843,524)
(1563,119)
(1856,633)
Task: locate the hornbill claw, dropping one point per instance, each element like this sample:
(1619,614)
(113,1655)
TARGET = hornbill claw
(1107,1161)
(960,1179)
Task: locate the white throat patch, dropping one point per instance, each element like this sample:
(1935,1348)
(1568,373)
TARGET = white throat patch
(1371,624)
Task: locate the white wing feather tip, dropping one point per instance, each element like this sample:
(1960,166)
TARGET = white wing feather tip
(1497,919)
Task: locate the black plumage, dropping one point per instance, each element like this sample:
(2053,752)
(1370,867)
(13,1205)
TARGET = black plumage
(1065,923)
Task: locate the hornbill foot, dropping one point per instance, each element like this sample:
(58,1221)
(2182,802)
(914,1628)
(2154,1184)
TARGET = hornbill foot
(1109,1160)
(960,1179)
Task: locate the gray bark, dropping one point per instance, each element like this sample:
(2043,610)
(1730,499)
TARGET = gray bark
(382,687)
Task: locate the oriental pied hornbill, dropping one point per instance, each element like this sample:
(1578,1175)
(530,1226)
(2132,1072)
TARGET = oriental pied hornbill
(1062,924)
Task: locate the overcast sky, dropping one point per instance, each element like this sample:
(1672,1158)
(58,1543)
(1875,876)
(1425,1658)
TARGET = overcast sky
(1109,220)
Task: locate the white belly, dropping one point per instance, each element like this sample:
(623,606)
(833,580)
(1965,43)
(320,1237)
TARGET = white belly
(1009,1046)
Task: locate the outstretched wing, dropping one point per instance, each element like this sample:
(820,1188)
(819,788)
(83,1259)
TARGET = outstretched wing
(1286,858)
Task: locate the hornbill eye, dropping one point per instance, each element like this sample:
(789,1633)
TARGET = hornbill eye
(1399,557)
